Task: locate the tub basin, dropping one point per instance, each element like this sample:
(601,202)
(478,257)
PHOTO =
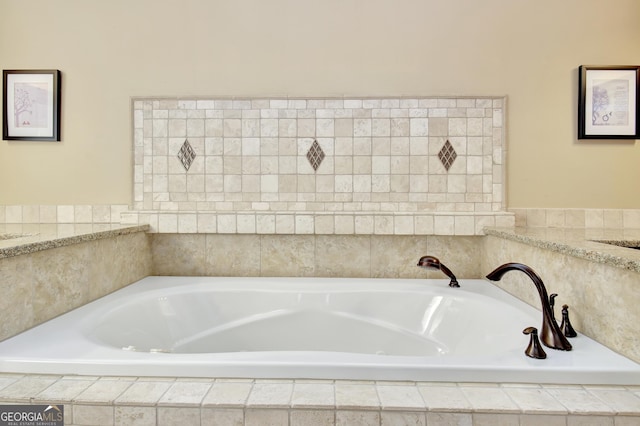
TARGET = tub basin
(329,328)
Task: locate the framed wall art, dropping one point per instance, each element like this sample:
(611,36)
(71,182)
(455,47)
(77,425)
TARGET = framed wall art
(31,105)
(608,102)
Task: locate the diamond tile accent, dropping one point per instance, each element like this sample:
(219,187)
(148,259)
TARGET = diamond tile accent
(186,154)
(447,155)
(315,155)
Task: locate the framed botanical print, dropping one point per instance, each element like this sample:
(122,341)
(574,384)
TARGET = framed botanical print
(31,105)
(608,102)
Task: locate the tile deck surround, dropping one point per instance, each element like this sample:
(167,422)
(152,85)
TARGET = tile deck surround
(164,401)
(168,401)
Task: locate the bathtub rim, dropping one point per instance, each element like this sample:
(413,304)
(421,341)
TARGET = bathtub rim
(620,371)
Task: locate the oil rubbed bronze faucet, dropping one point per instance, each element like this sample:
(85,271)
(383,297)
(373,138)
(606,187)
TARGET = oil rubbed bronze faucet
(430,262)
(550,334)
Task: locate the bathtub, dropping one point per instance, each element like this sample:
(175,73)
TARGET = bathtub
(318,328)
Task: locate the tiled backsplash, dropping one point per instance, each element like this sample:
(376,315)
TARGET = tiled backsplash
(386,154)
(398,156)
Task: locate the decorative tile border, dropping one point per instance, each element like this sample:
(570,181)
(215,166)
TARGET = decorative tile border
(384,222)
(339,223)
(262,222)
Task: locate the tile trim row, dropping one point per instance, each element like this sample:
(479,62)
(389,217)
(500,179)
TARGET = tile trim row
(320,223)
(251,402)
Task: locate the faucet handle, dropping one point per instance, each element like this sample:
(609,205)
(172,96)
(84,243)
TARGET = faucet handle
(534,350)
(566,327)
(552,302)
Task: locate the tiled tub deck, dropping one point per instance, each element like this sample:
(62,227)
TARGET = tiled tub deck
(170,401)
(162,401)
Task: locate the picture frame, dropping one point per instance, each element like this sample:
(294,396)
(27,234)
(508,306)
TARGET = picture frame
(608,105)
(31,105)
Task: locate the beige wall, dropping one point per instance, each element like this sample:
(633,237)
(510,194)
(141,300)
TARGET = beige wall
(109,51)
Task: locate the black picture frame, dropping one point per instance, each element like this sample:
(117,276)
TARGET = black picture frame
(608,106)
(31,105)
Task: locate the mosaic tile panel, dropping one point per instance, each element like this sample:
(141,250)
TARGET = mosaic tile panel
(319,155)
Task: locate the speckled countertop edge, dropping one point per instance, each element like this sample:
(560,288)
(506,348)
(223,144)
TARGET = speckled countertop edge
(588,244)
(36,238)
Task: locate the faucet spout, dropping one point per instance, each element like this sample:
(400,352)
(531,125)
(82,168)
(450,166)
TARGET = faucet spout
(550,333)
(430,262)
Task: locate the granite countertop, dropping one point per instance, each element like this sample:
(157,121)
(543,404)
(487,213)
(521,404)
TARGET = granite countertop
(608,246)
(17,239)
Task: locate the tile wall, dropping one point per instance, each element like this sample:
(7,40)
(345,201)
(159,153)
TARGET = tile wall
(361,256)
(577,218)
(47,213)
(325,166)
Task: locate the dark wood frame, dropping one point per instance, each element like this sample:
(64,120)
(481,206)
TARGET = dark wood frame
(55,107)
(583,102)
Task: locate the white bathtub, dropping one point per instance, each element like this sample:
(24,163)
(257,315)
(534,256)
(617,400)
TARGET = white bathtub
(367,329)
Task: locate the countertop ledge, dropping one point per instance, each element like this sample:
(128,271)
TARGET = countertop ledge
(583,243)
(31,238)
